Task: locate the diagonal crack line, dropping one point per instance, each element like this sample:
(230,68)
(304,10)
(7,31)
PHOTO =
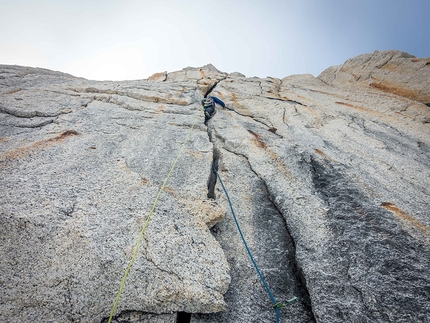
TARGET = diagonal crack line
(253,118)
(145,252)
(214,86)
(269,124)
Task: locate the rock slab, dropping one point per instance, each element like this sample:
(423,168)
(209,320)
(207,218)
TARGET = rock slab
(329,177)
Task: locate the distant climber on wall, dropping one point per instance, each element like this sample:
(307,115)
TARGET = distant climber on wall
(209,106)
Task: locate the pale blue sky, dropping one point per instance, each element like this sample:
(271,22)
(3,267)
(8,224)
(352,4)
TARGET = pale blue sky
(132,39)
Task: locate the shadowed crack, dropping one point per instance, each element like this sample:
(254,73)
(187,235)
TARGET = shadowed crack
(284,100)
(295,271)
(212,176)
(286,279)
(304,295)
(215,154)
(213,86)
(183,317)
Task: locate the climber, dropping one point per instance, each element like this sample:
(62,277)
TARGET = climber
(209,106)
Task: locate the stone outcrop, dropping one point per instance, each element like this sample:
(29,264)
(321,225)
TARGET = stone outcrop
(390,71)
(329,177)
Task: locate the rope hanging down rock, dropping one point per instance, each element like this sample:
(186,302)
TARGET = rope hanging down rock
(276,305)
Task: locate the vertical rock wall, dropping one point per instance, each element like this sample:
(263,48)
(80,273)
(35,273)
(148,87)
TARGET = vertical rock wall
(329,178)
(348,170)
(81,164)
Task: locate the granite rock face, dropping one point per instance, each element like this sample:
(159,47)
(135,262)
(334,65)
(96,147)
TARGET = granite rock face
(329,178)
(81,164)
(390,71)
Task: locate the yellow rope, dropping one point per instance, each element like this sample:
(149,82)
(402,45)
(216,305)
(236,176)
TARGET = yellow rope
(136,247)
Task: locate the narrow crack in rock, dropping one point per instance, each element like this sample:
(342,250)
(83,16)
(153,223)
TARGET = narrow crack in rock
(300,278)
(297,272)
(21,113)
(215,154)
(214,86)
(30,125)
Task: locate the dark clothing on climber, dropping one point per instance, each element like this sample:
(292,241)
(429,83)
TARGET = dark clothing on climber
(210,107)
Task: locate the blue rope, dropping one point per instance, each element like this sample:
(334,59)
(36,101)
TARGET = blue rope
(275,304)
